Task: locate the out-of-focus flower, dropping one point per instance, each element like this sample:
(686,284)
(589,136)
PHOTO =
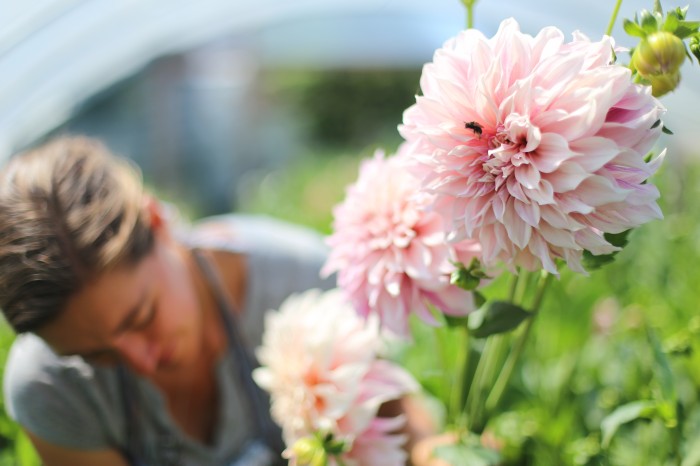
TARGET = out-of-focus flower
(320,364)
(664,83)
(391,255)
(657,58)
(307,451)
(377,445)
(659,53)
(534,146)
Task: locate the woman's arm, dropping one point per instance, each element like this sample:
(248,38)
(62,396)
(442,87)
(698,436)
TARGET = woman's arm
(421,430)
(54,455)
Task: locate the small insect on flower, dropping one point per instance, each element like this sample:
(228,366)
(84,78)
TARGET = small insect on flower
(476,127)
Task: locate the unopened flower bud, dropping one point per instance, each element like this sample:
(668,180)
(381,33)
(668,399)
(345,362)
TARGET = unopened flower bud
(694,46)
(659,53)
(664,83)
(465,280)
(307,451)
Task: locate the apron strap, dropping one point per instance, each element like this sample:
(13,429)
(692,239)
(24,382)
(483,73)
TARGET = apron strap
(244,361)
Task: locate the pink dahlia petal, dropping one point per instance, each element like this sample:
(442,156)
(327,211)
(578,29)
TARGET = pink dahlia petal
(319,361)
(560,156)
(379,444)
(390,252)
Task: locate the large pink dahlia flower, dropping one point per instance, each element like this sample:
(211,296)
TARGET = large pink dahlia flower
(320,363)
(391,255)
(534,146)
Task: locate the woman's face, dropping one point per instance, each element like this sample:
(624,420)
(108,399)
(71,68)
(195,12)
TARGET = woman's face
(147,315)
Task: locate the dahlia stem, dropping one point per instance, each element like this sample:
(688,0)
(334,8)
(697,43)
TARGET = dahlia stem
(441,351)
(501,383)
(460,380)
(469,5)
(492,357)
(613,18)
(487,368)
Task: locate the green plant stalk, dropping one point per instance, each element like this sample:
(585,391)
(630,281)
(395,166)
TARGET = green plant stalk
(492,358)
(506,373)
(442,356)
(676,441)
(613,18)
(455,410)
(489,361)
(469,5)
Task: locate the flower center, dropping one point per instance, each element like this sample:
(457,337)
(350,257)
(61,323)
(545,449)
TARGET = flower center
(510,147)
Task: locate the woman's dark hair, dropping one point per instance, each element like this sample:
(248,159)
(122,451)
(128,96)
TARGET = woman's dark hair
(69,210)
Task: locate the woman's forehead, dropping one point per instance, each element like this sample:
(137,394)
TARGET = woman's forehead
(96,312)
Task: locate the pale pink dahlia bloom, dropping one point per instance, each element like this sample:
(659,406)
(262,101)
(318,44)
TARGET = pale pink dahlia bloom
(391,255)
(319,361)
(534,146)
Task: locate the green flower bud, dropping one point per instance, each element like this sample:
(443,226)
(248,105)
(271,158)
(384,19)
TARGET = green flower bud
(664,83)
(659,53)
(308,451)
(694,46)
(468,278)
(464,279)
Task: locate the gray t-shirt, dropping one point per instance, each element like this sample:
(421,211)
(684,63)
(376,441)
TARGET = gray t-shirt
(70,403)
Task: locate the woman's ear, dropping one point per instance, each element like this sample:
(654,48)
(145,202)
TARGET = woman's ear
(154,211)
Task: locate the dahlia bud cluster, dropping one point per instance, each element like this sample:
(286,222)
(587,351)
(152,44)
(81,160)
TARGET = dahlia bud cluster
(658,57)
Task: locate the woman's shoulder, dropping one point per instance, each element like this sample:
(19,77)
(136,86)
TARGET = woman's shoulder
(58,398)
(259,234)
(32,362)
(282,259)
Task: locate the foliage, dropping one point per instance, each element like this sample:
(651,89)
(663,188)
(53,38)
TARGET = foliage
(330,102)
(590,352)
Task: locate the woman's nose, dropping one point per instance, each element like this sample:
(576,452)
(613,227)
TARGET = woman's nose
(138,353)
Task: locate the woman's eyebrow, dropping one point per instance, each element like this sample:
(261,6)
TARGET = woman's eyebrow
(128,320)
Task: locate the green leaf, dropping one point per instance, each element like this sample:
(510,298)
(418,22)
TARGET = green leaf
(633,29)
(649,22)
(479,300)
(26,454)
(662,369)
(472,455)
(497,317)
(592,262)
(456,322)
(665,130)
(695,46)
(686,29)
(618,239)
(643,409)
(671,23)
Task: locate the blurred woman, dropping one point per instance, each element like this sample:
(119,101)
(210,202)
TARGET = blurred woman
(135,336)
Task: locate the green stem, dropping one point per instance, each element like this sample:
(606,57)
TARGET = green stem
(546,279)
(676,445)
(486,368)
(491,360)
(513,286)
(469,5)
(458,383)
(501,383)
(441,350)
(613,18)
